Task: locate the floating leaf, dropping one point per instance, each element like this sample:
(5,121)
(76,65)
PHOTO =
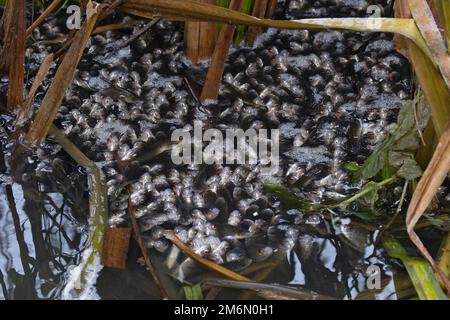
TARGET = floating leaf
(240,31)
(410,170)
(404,137)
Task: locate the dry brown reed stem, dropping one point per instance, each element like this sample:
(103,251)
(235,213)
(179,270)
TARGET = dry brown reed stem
(207,263)
(25,112)
(62,81)
(43,16)
(427,187)
(200,38)
(218,60)
(6,32)
(16,63)
(427,25)
(271,8)
(259,11)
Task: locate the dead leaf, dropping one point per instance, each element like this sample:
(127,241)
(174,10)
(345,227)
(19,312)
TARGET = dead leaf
(427,187)
(423,16)
(25,113)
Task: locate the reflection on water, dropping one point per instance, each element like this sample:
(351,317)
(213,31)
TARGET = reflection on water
(39,239)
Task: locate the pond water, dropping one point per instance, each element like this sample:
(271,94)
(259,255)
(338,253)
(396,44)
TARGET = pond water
(332,95)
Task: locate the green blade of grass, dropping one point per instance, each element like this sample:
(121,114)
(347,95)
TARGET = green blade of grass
(420,272)
(241,30)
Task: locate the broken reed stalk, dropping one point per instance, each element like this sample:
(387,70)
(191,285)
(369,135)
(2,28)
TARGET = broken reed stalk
(16,55)
(62,81)
(25,112)
(137,233)
(200,38)
(239,279)
(43,16)
(215,72)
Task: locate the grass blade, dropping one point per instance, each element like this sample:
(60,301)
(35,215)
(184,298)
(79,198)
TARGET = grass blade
(275,292)
(259,11)
(188,9)
(420,272)
(207,263)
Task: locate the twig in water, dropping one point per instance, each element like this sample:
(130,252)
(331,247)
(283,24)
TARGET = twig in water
(139,33)
(270,291)
(209,264)
(397,212)
(42,17)
(148,263)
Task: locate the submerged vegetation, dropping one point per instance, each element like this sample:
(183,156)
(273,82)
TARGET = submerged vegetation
(82,96)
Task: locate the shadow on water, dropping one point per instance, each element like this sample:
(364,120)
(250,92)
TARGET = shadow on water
(39,240)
